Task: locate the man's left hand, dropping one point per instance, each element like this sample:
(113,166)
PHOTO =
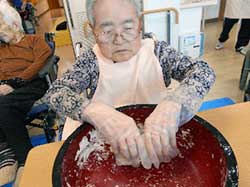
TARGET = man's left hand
(160,132)
(5,89)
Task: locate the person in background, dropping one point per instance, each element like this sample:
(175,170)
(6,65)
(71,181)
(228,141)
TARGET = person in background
(236,10)
(21,58)
(124,69)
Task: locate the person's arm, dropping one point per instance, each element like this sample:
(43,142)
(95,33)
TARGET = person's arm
(66,96)
(41,52)
(5,89)
(196,78)
(179,106)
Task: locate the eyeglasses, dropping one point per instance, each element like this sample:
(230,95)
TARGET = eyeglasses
(127,33)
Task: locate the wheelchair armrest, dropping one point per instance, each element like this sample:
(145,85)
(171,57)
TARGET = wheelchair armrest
(47,68)
(50,69)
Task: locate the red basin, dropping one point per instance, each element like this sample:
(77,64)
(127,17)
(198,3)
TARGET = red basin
(206,160)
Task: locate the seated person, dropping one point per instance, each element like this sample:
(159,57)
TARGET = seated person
(21,58)
(123,69)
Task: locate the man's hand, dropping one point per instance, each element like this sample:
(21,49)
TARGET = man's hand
(5,89)
(160,132)
(120,131)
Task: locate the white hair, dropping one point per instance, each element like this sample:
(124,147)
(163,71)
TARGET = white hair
(9,16)
(90,6)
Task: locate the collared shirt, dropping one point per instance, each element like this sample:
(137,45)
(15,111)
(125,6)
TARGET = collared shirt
(24,59)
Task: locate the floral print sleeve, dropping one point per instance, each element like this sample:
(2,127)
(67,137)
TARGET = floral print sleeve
(67,96)
(196,78)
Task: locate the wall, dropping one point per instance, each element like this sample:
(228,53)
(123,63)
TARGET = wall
(158,23)
(47,11)
(212,12)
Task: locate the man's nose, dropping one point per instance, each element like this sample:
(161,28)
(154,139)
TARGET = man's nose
(118,38)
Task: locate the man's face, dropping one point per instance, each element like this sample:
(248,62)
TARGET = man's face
(116,29)
(6,33)
(11,30)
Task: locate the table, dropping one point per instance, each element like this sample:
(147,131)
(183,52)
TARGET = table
(232,121)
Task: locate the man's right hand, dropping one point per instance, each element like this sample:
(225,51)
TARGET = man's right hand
(120,131)
(5,89)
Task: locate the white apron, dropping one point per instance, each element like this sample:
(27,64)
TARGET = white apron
(136,81)
(238,9)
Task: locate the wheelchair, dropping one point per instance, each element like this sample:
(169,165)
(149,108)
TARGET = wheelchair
(244,77)
(41,115)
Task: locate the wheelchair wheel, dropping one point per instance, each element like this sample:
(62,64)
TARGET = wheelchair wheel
(50,126)
(247,92)
(245,71)
(246,97)
(243,77)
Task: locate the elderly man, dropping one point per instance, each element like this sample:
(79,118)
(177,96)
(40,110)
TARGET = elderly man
(21,58)
(123,69)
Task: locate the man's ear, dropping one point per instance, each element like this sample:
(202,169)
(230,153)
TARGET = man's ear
(85,28)
(89,25)
(140,23)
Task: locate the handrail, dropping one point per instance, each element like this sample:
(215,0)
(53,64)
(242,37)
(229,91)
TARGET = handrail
(153,11)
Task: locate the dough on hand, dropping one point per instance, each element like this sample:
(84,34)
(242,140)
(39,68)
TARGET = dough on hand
(122,161)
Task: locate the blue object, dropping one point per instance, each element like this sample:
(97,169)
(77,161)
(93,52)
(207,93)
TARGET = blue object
(17,4)
(37,109)
(216,103)
(202,44)
(7,185)
(38,140)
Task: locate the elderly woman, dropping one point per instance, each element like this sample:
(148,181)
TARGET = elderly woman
(21,58)
(123,69)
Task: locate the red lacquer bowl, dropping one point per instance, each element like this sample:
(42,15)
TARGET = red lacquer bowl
(206,160)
